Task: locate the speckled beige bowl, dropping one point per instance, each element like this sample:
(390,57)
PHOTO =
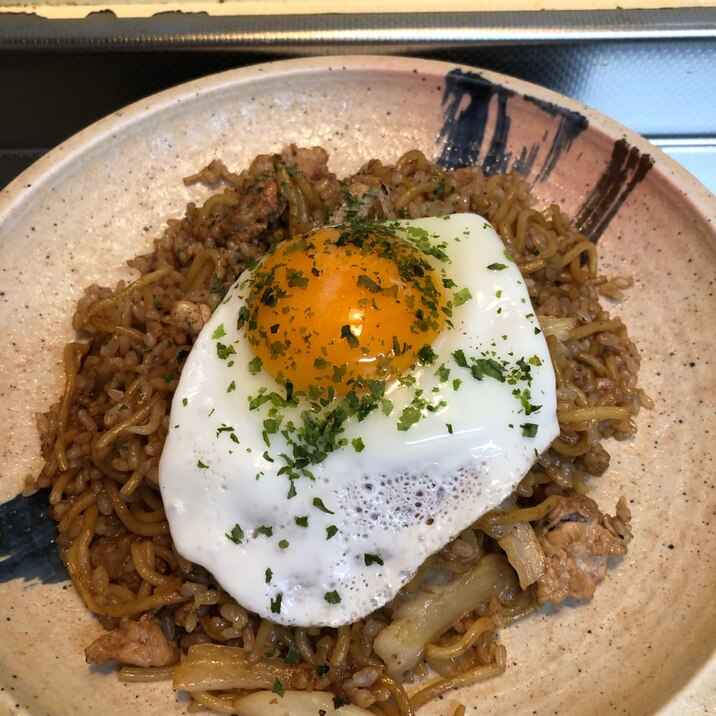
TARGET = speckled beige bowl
(645,643)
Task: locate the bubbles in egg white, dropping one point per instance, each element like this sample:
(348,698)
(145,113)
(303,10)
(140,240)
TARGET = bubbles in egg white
(355,533)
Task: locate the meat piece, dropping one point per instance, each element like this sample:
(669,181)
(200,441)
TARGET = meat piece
(312,162)
(259,205)
(139,643)
(577,542)
(114,555)
(189,317)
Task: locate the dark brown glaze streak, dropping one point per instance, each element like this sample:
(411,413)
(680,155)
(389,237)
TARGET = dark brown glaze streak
(626,168)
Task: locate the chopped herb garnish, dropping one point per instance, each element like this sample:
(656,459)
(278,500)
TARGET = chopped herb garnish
(529,430)
(277,687)
(265,530)
(497,267)
(408,417)
(331,531)
(449,427)
(219,332)
(358,444)
(460,359)
(185,402)
(292,656)
(268,575)
(255,365)
(283,544)
(348,335)
(318,502)
(242,318)
(322,670)
(232,387)
(202,465)
(224,351)
(372,559)
(301,521)
(426,355)
(236,535)
(368,283)
(332,597)
(443,373)
(462,296)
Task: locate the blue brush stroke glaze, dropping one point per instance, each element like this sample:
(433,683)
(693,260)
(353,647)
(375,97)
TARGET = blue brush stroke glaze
(27,541)
(570,126)
(626,168)
(466,101)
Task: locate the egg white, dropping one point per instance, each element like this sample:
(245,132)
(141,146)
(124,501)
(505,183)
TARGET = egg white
(359,527)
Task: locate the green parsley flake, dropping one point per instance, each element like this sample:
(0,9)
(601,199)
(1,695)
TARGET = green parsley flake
(292,656)
(301,521)
(219,332)
(232,387)
(318,502)
(202,465)
(224,351)
(236,535)
(255,365)
(497,267)
(185,402)
(443,373)
(268,575)
(408,417)
(283,544)
(426,355)
(265,530)
(348,335)
(449,427)
(242,317)
(358,444)
(332,597)
(462,296)
(529,430)
(331,531)
(372,559)
(277,687)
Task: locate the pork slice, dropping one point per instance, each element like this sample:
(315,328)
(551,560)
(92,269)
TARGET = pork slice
(140,643)
(577,542)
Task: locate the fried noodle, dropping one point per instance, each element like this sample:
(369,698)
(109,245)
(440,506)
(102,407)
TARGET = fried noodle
(103,439)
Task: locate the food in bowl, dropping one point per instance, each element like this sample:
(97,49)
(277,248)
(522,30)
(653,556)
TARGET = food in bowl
(429,587)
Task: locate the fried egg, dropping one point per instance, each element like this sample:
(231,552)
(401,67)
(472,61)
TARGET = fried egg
(361,395)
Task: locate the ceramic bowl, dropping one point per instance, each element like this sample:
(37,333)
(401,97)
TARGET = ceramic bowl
(645,643)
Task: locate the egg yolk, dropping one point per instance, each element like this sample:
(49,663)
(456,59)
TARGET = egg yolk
(343,306)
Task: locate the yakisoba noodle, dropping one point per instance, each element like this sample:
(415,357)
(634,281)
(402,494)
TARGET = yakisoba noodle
(103,439)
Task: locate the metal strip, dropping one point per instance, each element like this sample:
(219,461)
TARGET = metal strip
(407,31)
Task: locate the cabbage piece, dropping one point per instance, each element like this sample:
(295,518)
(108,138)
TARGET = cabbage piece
(524,552)
(428,614)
